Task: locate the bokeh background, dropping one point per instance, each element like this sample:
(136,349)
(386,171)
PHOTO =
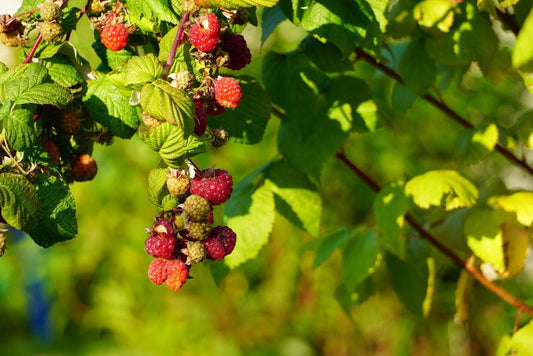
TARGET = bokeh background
(91,295)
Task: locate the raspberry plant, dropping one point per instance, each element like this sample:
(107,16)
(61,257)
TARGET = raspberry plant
(359,74)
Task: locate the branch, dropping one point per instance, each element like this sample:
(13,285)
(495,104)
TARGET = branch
(508,21)
(175,45)
(444,108)
(472,270)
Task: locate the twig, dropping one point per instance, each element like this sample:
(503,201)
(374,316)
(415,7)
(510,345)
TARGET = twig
(175,45)
(443,107)
(471,269)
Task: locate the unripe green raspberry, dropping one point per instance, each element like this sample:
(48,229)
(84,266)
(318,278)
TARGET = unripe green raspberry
(183,80)
(50,11)
(190,6)
(95,7)
(178,186)
(51,31)
(196,207)
(195,252)
(197,231)
(150,121)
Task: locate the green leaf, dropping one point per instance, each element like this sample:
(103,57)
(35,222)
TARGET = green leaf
(484,237)
(108,107)
(20,129)
(522,340)
(167,103)
(47,93)
(271,18)
(62,71)
(390,206)
(28,5)
(155,9)
(156,185)
(409,278)
(19,201)
(301,204)
(360,258)
(434,16)
(330,242)
(236,4)
(57,220)
(16,81)
(250,213)
(3,68)
(172,145)
(325,56)
(523,51)
(401,20)
(417,69)
(248,122)
(342,22)
(141,70)
(520,203)
(437,188)
(477,144)
(524,128)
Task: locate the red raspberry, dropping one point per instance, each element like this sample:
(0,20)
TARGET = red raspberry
(238,51)
(205,35)
(84,168)
(177,273)
(53,151)
(161,246)
(215,185)
(227,236)
(163,226)
(114,37)
(70,123)
(214,248)
(157,271)
(228,92)
(200,118)
(214,109)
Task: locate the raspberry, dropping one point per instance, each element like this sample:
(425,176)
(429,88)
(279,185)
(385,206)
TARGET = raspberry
(196,207)
(178,186)
(161,246)
(50,11)
(214,248)
(215,185)
(200,118)
(96,6)
(53,151)
(114,36)
(214,109)
(163,226)
(84,168)
(11,39)
(195,252)
(70,123)
(183,80)
(196,231)
(157,271)
(150,121)
(190,6)
(240,17)
(238,51)
(205,35)
(9,23)
(51,31)
(227,236)
(228,92)
(177,273)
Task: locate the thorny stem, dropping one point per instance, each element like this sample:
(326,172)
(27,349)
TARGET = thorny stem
(444,108)
(175,45)
(471,269)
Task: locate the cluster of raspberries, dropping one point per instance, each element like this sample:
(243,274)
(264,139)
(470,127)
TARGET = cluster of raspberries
(184,236)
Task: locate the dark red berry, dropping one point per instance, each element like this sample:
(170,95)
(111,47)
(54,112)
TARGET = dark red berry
(214,185)
(161,246)
(227,236)
(238,51)
(214,248)
(200,118)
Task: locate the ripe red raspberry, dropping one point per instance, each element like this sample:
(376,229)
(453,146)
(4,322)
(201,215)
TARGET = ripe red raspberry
(84,168)
(200,118)
(228,92)
(163,226)
(53,151)
(205,35)
(214,248)
(70,123)
(114,37)
(238,51)
(161,246)
(177,273)
(157,271)
(227,236)
(214,185)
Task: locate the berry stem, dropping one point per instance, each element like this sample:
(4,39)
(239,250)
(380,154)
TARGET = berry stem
(175,45)
(33,49)
(444,108)
(470,268)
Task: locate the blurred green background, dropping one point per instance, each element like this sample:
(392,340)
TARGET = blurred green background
(91,295)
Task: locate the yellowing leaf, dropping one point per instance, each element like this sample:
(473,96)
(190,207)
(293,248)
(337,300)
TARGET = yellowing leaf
(434,15)
(520,203)
(515,245)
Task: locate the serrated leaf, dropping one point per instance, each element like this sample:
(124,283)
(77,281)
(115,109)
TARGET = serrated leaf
(523,51)
(28,5)
(303,205)
(171,144)
(477,144)
(248,122)
(444,187)
(169,202)
(19,201)
(108,107)
(390,206)
(57,221)
(156,9)
(62,71)
(250,213)
(520,203)
(330,242)
(360,258)
(141,70)
(23,77)
(236,4)
(522,340)
(167,103)
(156,184)
(19,128)
(46,93)
(325,56)
(418,70)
